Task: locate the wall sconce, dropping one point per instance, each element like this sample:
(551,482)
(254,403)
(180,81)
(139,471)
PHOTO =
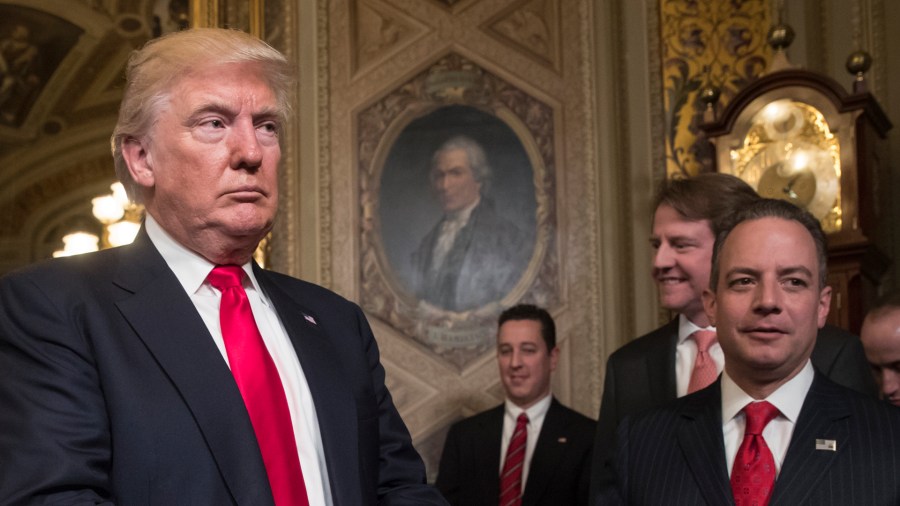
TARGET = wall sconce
(121,219)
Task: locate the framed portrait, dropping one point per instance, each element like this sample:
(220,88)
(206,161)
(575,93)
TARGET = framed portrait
(33,43)
(458,206)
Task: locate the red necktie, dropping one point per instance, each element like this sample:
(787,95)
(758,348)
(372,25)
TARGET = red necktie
(704,372)
(753,473)
(511,477)
(260,386)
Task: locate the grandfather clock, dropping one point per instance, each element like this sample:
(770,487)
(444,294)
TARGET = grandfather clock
(800,136)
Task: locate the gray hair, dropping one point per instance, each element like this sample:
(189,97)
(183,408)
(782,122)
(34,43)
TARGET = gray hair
(771,208)
(153,70)
(481,170)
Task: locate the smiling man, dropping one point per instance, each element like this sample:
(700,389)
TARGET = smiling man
(684,356)
(472,256)
(544,447)
(772,428)
(175,370)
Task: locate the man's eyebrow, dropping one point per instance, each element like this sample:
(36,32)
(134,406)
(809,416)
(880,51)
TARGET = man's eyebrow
(795,269)
(749,271)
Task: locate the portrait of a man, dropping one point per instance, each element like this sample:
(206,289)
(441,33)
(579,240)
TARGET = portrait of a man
(472,255)
(458,208)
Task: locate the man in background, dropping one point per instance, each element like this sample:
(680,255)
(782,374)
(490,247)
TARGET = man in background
(544,447)
(881,339)
(771,429)
(473,256)
(683,355)
(175,370)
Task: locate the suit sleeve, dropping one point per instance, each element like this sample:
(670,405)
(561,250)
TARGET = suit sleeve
(401,473)
(448,472)
(605,437)
(54,435)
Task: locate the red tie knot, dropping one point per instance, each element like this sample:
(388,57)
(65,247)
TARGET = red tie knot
(759,414)
(226,276)
(522,419)
(704,339)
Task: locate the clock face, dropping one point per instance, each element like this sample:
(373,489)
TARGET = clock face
(797,187)
(790,154)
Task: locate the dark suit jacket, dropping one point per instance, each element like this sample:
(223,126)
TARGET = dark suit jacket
(641,375)
(112,390)
(676,455)
(486,260)
(470,464)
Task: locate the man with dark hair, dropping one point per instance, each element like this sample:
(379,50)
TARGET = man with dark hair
(175,370)
(881,340)
(684,356)
(772,428)
(473,255)
(544,447)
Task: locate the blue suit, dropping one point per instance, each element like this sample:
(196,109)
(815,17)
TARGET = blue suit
(112,390)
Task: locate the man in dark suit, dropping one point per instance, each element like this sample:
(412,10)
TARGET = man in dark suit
(554,452)
(134,375)
(473,256)
(656,368)
(772,429)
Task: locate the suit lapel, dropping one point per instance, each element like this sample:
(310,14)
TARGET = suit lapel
(335,407)
(701,442)
(551,445)
(804,465)
(661,367)
(164,318)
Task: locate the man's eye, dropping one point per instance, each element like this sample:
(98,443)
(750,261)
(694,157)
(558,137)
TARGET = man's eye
(741,282)
(269,127)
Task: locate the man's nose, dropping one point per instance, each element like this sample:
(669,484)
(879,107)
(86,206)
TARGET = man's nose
(246,151)
(767,297)
(890,383)
(664,257)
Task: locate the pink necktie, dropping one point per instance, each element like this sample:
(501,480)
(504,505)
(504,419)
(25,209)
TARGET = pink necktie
(511,477)
(704,372)
(260,386)
(753,473)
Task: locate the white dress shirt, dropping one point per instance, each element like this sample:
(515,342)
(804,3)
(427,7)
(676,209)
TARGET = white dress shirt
(191,270)
(450,227)
(686,354)
(788,399)
(536,414)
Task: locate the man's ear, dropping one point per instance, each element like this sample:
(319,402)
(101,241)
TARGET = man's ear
(823,306)
(137,158)
(709,305)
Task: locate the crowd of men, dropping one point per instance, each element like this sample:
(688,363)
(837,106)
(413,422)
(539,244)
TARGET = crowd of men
(176,371)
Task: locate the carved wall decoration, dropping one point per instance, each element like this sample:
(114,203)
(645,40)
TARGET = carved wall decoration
(706,42)
(32,45)
(380,30)
(397,136)
(533,27)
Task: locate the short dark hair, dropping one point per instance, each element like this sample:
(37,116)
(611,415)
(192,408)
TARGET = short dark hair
(771,208)
(710,196)
(532,312)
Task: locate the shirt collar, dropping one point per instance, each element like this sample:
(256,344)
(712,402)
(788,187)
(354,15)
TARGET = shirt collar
(190,268)
(687,327)
(788,398)
(534,411)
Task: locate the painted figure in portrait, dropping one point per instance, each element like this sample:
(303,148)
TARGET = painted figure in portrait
(467,209)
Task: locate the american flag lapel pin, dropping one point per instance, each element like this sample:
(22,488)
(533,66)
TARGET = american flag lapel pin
(829,445)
